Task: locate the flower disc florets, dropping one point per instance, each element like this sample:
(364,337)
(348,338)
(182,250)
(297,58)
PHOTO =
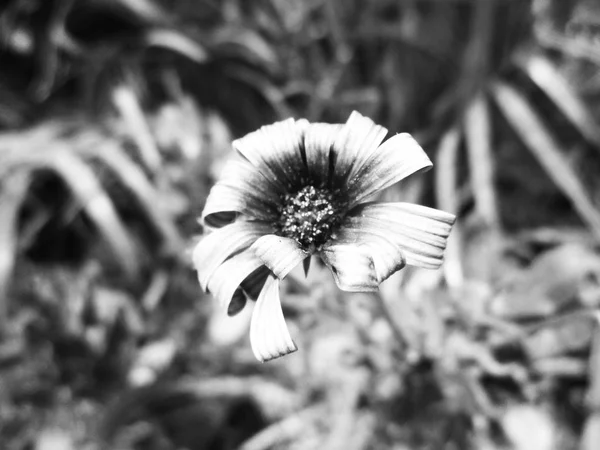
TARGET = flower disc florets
(309,216)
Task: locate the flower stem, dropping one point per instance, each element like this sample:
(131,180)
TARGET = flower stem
(403,345)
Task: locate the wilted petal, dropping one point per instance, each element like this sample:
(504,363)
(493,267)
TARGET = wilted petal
(358,139)
(269,335)
(318,142)
(224,282)
(394,160)
(219,245)
(420,232)
(275,150)
(280,254)
(352,267)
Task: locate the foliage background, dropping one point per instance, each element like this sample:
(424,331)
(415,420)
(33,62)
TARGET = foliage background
(115,118)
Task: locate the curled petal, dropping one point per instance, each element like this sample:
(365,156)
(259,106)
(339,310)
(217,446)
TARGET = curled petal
(418,231)
(352,267)
(224,203)
(394,160)
(318,142)
(225,281)
(219,245)
(359,138)
(275,150)
(242,190)
(280,254)
(387,257)
(254,282)
(269,335)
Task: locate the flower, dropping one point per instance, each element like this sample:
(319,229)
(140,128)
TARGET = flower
(296,189)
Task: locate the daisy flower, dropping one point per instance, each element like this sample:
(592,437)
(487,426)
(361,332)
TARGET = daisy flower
(297,189)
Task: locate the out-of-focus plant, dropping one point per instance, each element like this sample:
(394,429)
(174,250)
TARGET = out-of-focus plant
(503,350)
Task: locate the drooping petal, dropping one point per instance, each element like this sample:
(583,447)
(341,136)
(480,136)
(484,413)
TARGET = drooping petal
(352,267)
(219,245)
(318,143)
(269,335)
(275,151)
(394,160)
(278,253)
(358,139)
(419,232)
(225,281)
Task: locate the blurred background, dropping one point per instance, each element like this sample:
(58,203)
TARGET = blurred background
(115,119)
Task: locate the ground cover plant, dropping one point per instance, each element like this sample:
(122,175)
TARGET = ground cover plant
(117,119)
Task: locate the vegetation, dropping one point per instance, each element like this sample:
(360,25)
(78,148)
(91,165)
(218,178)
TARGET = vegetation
(116,117)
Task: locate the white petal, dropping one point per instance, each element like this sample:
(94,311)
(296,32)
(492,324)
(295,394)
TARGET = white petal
(219,245)
(420,232)
(225,281)
(241,189)
(318,142)
(359,138)
(269,335)
(280,254)
(224,203)
(387,257)
(352,267)
(394,160)
(275,150)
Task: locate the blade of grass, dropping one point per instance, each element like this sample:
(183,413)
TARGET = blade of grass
(129,107)
(479,150)
(14,189)
(132,177)
(84,184)
(540,141)
(591,430)
(446,186)
(177,42)
(546,76)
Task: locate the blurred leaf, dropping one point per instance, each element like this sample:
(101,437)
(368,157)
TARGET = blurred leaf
(530,128)
(570,333)
(553,282)
(245,45)
(86,188)
(134,179)
(546,75)
(137,126)
(14,190)
(177,42)
(478,139)
(519,423)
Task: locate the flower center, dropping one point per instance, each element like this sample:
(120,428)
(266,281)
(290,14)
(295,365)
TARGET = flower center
(309,216)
